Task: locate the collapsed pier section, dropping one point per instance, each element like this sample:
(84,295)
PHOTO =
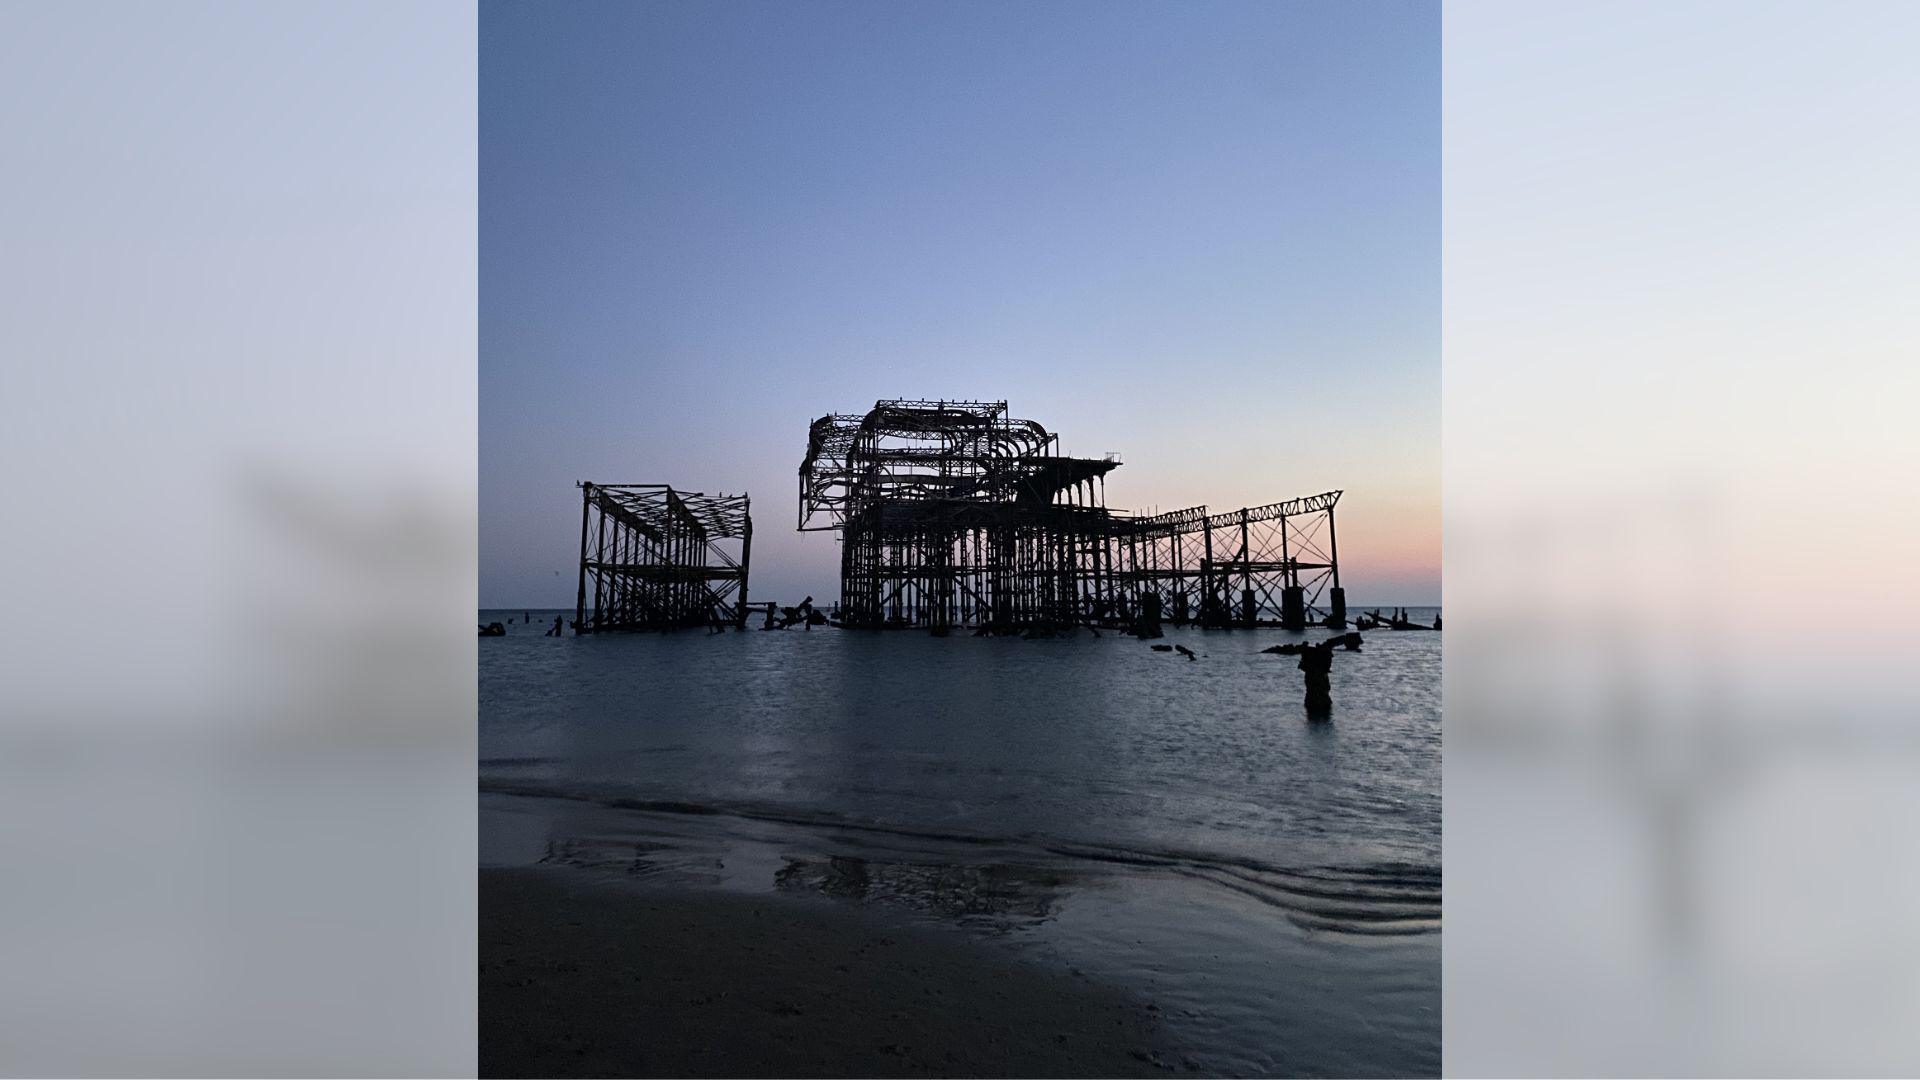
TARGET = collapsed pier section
(656,558)
(1272,565)
(954,513)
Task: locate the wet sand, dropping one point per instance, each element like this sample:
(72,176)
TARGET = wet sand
(584,975)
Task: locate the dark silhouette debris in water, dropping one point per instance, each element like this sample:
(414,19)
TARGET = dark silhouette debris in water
(1316,662)
(1348,641)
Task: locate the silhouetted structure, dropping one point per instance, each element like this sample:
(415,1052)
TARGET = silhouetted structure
(954,513)
(661,559)
(1316,663)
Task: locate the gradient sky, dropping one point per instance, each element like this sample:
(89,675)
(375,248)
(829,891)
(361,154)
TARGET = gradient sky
(1204,236)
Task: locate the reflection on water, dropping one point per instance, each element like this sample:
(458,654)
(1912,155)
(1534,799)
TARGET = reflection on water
(992,884)
(994,896)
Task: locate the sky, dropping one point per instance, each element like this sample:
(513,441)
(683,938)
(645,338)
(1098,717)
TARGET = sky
(1206,237)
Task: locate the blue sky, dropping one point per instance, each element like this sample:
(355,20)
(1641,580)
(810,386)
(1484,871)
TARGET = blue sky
(1205,236)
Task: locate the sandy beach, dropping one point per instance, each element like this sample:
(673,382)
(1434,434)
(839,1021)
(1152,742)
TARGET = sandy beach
(586,975)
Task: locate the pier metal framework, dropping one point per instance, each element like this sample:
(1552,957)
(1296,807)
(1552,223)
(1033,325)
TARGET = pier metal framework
(656,558)
(954,513)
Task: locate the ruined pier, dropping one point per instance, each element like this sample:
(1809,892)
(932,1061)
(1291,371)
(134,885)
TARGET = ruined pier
(957,514)
(655,558)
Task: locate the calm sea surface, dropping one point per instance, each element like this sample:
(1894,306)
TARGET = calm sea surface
(1175,826)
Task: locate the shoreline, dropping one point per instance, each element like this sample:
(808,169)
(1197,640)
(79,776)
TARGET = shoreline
(582,974)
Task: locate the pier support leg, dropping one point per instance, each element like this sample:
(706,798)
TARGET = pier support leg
(1293,608)
(1337,608)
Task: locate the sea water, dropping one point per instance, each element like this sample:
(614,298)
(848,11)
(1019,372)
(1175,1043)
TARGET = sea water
(1176,826)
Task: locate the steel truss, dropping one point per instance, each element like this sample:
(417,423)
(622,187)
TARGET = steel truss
(655,558)
(953,513)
